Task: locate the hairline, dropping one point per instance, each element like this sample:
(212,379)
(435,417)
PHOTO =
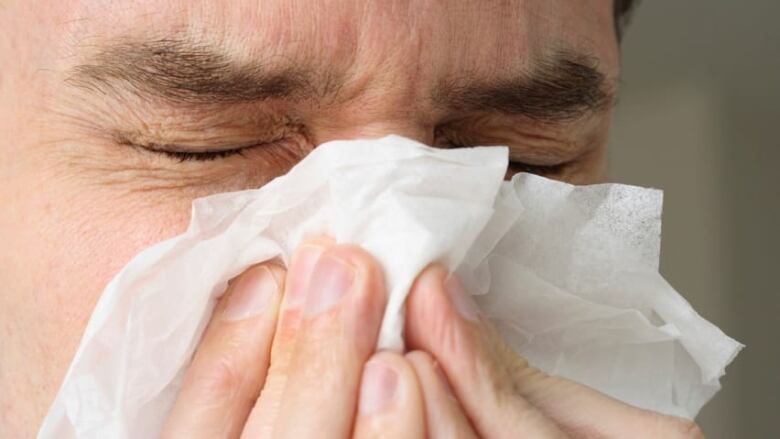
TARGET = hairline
(622,11)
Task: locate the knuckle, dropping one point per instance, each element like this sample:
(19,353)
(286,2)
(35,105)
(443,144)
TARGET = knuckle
(690,430)
(217,380)
(674,427)
(329,368)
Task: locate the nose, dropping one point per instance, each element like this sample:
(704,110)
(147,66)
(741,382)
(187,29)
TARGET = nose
(411,128)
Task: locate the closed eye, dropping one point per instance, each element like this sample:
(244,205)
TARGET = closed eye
(516,166)
(190,153)
(200,156)
(545,170)
(183,154)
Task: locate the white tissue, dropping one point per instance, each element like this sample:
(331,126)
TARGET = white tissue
(569,274)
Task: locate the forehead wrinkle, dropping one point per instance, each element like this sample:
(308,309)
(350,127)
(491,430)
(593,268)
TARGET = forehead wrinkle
(322,41)
(388,49)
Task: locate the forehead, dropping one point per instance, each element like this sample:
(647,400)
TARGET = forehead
(427,37)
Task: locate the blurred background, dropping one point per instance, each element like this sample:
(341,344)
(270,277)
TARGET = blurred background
(699,116)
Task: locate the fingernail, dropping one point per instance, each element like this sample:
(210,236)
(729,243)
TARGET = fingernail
(464,303)
(305,260)
(378,387)
(330,280)
(250,294)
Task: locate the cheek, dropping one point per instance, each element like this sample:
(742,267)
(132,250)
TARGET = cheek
(81,246)
(61,250)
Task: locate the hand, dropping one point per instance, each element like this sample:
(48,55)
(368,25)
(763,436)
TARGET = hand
(501,394)
(290,365)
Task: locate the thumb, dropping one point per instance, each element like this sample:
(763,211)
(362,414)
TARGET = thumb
(497,387)
(444,320)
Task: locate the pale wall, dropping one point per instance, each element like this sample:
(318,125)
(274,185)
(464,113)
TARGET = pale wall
(699,116)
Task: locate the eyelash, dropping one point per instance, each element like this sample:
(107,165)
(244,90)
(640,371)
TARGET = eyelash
(207,156)
(537,169)
(169,151)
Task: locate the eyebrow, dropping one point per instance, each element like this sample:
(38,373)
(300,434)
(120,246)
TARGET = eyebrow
(184,72)
(562,87)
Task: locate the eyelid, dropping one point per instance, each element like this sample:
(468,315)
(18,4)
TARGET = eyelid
(190,153)
(283,152)
(551,165)
(529,143)
(204,156)
(515,166)
(537,169)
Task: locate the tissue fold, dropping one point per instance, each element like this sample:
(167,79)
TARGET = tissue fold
(568,274)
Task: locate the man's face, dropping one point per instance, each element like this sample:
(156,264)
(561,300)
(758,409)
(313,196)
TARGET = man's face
(113,117)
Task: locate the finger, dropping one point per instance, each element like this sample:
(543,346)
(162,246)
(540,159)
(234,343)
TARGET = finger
(390,403)
(345,299)
(302,263)
(584,412)
(229,367)
(477,359)
(444,320)
(444,417)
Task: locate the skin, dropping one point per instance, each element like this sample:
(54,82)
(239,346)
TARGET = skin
(80,199)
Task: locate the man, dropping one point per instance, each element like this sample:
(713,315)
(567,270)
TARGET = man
(115,115)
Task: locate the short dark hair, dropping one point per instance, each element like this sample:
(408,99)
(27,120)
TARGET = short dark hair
(623,9)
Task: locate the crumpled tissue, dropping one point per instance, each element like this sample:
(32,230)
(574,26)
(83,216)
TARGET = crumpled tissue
(568,274)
